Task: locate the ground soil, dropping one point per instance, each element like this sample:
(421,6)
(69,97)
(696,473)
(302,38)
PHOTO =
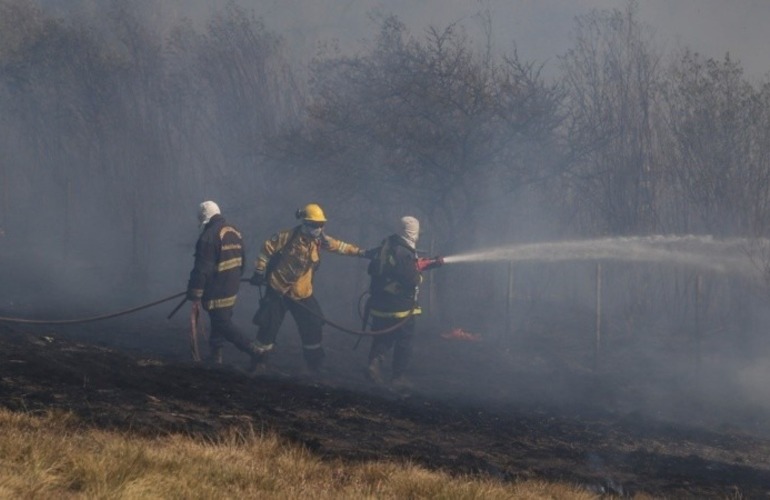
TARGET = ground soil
(482,408)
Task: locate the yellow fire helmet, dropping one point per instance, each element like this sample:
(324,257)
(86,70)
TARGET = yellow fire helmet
(312,212)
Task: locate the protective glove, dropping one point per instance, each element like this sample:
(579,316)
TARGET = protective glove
(257,279)
(370,254)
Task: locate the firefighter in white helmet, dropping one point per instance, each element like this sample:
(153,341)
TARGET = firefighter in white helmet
(286,266)
(215,279)
(396,273)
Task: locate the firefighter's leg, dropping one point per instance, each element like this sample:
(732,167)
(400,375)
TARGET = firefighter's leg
(223,319)
(271,313)
(402,349)
(216,339)
(307,313)
(381,344)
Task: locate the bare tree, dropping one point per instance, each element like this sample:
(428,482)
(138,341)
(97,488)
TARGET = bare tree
(611,77)
(719,144)
(233,90)
(432,124)
(107,125)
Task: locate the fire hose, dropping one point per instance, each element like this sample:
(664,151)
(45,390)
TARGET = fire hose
(423,264)
(92,318)
(5,319)
(360,333)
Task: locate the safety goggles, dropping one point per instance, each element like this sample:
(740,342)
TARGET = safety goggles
(313,224)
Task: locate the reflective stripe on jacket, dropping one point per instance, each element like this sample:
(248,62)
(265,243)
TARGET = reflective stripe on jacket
(396,314)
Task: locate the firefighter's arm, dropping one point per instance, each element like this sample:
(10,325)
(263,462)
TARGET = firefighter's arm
(371,254)
(205,264)
(268,249)
(338,246)
(260,265)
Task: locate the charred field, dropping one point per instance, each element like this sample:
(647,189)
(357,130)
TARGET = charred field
(477,408)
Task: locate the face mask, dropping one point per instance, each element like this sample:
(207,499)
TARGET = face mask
(410,230)
(314,232)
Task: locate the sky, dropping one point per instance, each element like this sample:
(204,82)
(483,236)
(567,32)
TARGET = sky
(541,29)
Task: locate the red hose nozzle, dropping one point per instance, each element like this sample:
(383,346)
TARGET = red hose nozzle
(426,263)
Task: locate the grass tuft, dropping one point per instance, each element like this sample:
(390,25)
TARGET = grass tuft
(55,456)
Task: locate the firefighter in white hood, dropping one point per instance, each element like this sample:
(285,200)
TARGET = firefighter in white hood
(215,279)
(396,273)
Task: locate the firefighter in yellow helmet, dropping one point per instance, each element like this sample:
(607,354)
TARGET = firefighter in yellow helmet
(286,266)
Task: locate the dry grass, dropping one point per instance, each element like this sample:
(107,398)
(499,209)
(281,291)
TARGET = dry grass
(54,456)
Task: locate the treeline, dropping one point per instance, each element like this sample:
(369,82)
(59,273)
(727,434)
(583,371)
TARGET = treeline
(111,133)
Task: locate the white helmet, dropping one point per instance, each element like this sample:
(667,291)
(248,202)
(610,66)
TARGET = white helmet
(206,211)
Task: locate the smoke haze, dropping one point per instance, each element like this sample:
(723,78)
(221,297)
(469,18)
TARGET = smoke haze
(540,29)
(118,118)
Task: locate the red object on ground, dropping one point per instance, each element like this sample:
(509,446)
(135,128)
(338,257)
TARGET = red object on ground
(460,334)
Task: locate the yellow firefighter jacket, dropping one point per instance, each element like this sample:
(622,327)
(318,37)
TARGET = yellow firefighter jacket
(299,257)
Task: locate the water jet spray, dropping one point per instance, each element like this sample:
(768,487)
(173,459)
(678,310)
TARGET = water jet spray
(698,251)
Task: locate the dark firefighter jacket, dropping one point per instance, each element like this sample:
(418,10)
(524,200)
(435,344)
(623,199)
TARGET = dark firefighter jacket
(219,260)
(299,257)
(394,280)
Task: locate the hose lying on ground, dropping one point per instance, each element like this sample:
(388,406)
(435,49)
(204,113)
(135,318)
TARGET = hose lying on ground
(362,333)
(90,319)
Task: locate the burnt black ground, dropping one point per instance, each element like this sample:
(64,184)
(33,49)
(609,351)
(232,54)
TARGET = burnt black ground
(476,408)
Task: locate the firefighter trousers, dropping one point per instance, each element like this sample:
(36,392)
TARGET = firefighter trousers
(306,313)
(400,340)
(223,328)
